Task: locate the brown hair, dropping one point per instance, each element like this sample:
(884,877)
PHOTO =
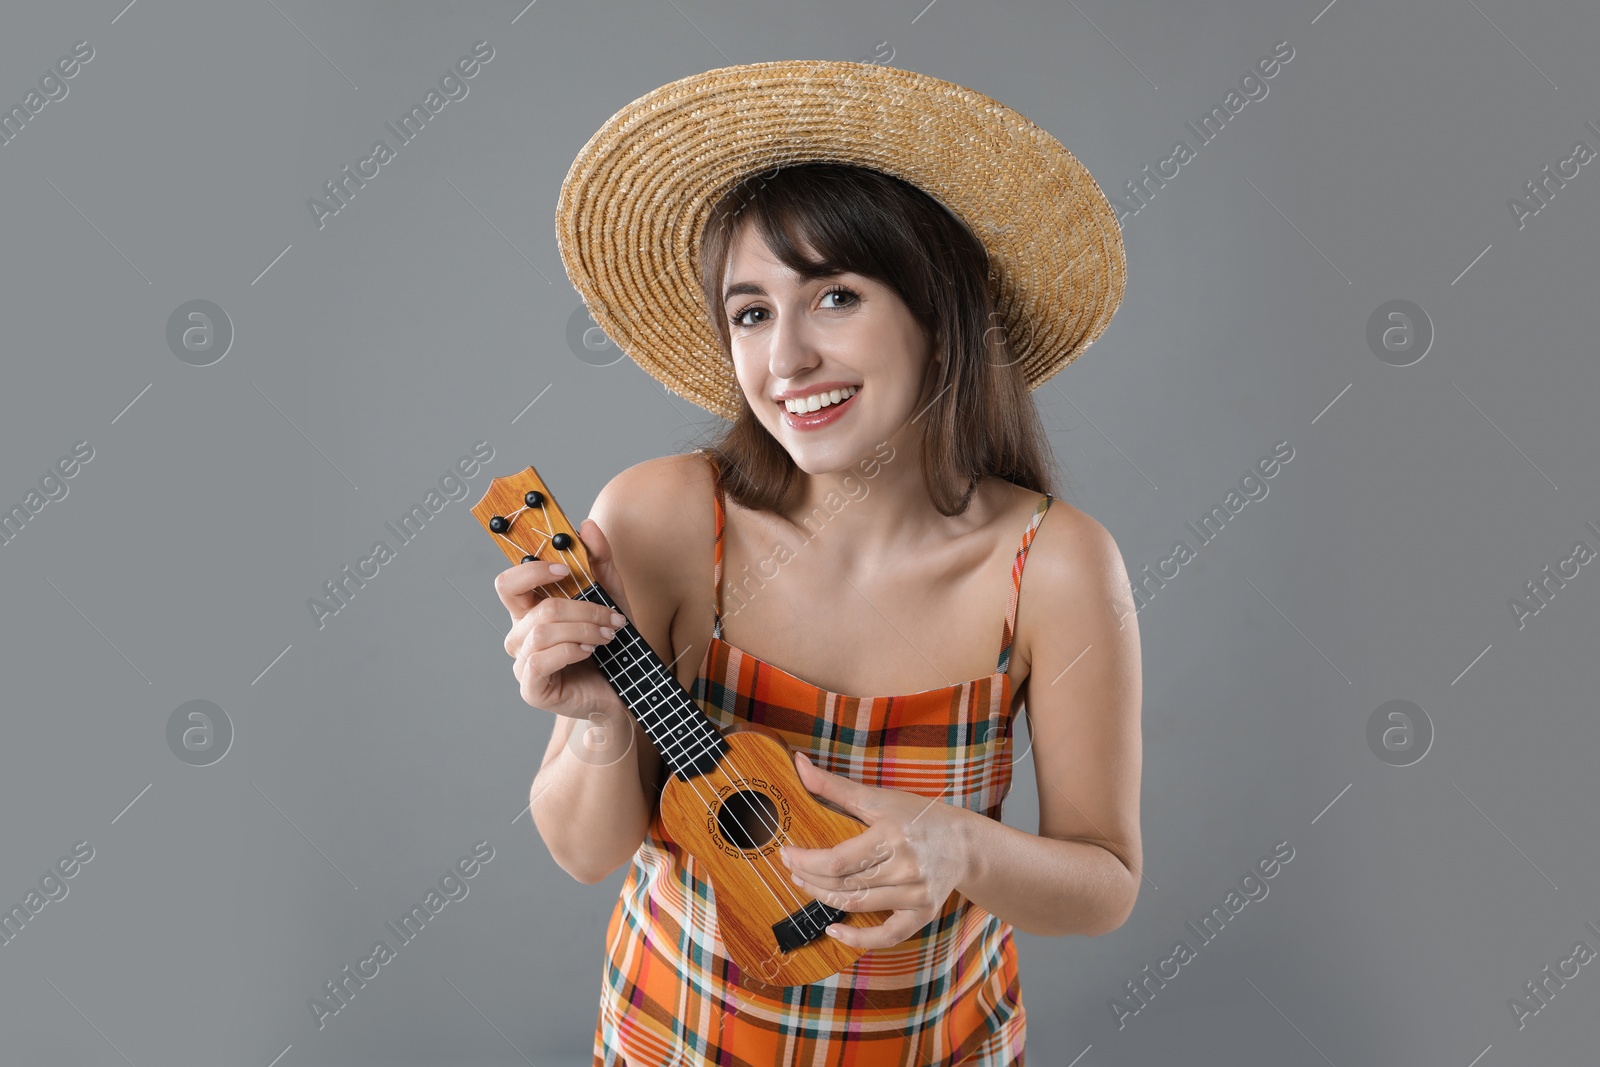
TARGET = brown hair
(981,420)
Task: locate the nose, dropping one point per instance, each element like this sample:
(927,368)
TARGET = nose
(792,350)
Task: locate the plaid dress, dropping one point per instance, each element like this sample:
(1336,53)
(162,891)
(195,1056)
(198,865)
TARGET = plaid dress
(949,994)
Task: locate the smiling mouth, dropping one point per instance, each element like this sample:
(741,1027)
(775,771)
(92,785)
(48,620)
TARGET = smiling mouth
(801,408)
(819,419)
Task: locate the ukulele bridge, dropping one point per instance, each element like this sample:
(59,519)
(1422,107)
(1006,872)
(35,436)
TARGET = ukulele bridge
(805,926)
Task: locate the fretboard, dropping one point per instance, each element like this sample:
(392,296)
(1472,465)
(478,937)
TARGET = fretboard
(689,742)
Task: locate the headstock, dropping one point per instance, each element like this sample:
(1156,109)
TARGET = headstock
(522,516)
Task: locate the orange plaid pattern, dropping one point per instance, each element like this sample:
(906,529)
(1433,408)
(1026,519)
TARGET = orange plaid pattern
(949,994)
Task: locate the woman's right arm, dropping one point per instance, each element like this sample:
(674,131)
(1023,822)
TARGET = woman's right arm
(591,800)
(600,778)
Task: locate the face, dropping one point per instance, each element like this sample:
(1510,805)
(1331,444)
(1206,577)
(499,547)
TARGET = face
(797,338)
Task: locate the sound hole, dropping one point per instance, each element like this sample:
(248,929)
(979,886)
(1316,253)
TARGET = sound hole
(747,819)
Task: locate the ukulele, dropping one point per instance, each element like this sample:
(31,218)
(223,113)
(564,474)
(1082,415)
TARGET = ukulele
(733,797)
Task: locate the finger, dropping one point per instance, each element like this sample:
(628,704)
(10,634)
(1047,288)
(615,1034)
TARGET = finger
(849,857)
(538,689)
(586,565)
(534,669)
(872,897)
(588,631)
(880,873)
(518,634)
(603,564)
(551,660)
(893,930)
(594,541)
(851,796)
(559,609)
(519,587)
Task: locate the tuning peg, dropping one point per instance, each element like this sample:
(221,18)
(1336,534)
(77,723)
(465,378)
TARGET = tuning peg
(533,498)
(561,542)
(499,525)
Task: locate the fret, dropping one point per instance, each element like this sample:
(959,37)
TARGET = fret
(688,741)
(764,916)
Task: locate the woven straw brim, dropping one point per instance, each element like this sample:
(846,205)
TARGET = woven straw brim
(636,199)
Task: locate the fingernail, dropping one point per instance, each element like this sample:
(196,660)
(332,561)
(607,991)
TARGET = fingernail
(560,569)
(618,619)
(587,648)
(608,632)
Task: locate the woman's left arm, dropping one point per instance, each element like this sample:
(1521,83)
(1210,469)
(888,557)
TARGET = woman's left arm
(1080,873)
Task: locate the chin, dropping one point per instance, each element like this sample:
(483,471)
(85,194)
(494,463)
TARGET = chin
(815,464)
(842,455)
(834,450)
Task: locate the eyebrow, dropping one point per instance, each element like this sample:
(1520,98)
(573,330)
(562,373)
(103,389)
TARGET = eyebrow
(741,288)
(752,289)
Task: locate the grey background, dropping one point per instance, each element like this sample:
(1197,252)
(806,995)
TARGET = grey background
(372,753)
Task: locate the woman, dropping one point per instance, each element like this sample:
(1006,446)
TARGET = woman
(861,527)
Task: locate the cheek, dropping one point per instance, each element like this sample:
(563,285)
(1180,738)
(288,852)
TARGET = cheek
(746,377)
(754,386)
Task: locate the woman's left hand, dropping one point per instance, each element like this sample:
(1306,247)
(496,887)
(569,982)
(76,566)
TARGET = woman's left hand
(910,858)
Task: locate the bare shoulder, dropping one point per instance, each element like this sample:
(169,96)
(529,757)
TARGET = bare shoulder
(1077,620)
(1075,589)
(1072,546)
(643,490)
(655,513)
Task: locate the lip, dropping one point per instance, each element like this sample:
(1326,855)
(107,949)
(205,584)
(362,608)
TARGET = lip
(821,417)
(812,390)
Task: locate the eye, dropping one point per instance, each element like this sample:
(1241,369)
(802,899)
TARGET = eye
(737,318)
(841,290)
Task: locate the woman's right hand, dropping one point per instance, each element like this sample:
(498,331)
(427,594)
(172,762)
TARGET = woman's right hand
(549,632)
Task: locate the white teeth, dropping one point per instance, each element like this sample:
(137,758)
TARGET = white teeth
(819,400)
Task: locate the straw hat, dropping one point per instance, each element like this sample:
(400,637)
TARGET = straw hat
(636,200)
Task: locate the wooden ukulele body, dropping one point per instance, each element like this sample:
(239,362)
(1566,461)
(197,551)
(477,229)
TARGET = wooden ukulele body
(732,797)
(733,820)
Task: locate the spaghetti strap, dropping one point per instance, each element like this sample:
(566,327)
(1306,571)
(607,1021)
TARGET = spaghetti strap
(1016,583)
(1007,632)
(667,981)
(716,570)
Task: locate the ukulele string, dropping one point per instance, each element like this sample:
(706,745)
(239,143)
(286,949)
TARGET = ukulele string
(774,829)
(675,748)
(575,564)
(679,750)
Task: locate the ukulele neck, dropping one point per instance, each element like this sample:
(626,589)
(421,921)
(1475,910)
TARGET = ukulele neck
(689,742)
